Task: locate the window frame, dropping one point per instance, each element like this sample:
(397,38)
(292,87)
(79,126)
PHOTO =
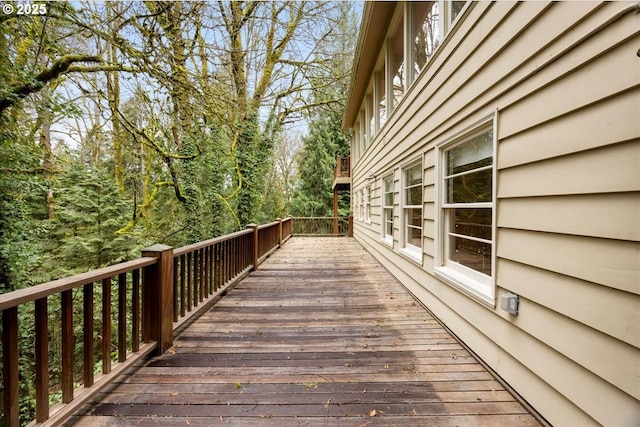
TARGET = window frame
(473,283)
(394,75)
(387,238)
(409,249)
(367,204)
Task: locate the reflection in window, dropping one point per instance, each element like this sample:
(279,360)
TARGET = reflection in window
(363,131)
(413,205)
(427,37)
(382,98)
(468,204)
(367,206)
(387,210)
(397,65)
(398,84)
(455,9)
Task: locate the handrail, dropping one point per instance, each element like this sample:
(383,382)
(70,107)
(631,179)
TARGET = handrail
(21,296)
(156,295)
(128,278)
(200,245)
(322,226)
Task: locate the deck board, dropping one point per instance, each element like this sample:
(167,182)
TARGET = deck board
(320,335)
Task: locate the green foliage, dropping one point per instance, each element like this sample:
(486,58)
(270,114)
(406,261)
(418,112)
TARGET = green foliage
(316,163)
(20,189)
(254,153)
(193,156)
(89,210)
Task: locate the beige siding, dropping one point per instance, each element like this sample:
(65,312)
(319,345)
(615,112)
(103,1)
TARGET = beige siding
(605,215)
(564,79)
(592,127)
(611,263)
(610,169)
(616,314)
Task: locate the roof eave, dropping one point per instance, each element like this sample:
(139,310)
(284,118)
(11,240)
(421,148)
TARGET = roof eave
(376,17)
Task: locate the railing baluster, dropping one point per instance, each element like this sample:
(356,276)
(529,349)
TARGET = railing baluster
(207,276)
(216,267)
(201,275)
(189,280)
(135,306)
(10,366)
(42,359)
(106,325)
(196,278)
(228,261)
(122,317)
(232,261)
(67,346)
(176,294)
(223,265)
(183,272)
(88,342)
(211,269)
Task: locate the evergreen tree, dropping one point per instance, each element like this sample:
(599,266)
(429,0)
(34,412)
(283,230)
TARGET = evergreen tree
(89,211)
(316,163)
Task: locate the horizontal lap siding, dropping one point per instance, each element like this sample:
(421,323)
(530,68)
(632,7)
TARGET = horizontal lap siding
(568,216)
(565,80)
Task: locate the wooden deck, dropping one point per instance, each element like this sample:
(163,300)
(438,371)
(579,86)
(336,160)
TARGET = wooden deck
(320,335)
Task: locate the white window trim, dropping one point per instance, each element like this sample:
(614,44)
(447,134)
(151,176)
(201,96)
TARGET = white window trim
(367,206)
(386,238)
(408,249)
(469,281)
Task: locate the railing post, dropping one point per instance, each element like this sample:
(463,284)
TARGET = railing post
(350,226)
(279,231)
(255,246)
(157,300)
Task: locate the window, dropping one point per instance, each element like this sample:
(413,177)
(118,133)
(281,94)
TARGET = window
(427,32)
(370,116)
(361,193)
(363,131)
(467,213)
(367,206)
(387,210)
(396,65)
(412,210)
(452,11)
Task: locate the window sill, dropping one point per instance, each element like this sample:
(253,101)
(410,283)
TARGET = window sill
(478,291)
(387,241)
(413,254)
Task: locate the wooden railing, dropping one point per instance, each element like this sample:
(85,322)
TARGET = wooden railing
(155,295)
(343,167)
(322,226)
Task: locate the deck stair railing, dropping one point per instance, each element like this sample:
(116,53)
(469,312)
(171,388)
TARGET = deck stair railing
(153,297)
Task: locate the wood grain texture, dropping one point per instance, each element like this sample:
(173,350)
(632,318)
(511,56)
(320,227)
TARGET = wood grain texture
(319,335)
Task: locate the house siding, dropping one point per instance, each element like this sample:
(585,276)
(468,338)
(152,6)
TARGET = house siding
(564,81)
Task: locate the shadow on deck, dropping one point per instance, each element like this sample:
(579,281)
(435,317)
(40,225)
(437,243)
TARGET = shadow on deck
(320,335)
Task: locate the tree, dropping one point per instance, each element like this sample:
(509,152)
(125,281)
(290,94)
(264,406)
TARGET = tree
(326,141)
(317,160)
(269,71)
